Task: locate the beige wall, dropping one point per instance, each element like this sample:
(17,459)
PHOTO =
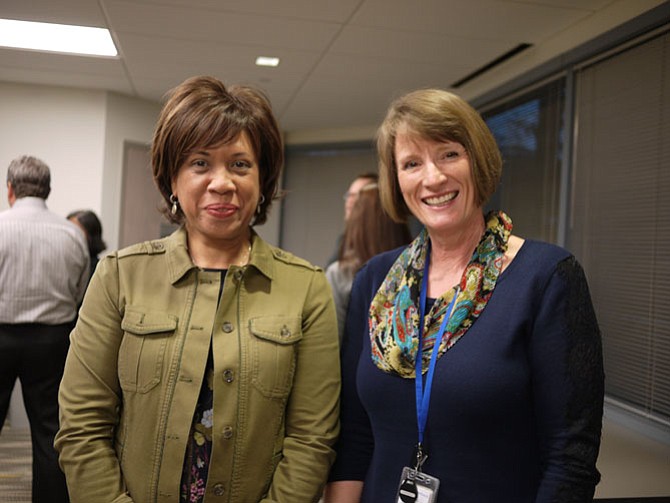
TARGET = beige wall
(127,120)
(65,128)
(80,134)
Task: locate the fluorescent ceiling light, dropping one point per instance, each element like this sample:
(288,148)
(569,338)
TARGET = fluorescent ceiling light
(265,61)
(56,38)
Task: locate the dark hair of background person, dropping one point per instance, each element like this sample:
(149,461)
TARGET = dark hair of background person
(93,228)
(203,113)
(439,116)
(369,231)
(30,177)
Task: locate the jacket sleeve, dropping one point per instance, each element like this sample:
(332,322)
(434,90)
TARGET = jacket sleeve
(355,445)
(89,396)
(341,290)
(312,411)
(84,278)
(568,386)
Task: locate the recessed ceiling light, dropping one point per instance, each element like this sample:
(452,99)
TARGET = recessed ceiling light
(266,61)
(56,38)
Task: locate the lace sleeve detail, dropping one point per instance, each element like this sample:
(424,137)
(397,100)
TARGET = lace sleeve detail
(585,375)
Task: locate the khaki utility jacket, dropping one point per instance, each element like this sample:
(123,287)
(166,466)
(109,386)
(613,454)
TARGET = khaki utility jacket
(137,361)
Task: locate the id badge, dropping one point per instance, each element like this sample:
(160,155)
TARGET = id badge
(417,487)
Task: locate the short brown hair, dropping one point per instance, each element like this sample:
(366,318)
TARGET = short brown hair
(202,112)
(440,116)
(30,177)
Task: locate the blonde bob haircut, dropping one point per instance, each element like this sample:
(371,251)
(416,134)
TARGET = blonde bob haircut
(440,116)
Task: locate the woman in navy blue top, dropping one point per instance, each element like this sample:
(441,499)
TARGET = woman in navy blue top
(471,364)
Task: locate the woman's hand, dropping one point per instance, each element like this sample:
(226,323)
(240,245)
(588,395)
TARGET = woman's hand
(343,491)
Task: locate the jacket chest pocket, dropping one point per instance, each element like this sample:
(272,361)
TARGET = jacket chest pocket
(142,349)
(274,349)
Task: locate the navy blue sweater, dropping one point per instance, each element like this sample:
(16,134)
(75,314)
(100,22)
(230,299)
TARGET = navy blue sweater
(516,408)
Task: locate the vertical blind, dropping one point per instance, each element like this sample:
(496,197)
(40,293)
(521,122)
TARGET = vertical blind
(620,216)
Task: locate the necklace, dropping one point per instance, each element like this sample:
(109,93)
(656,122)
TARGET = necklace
(244,262)
(211,258)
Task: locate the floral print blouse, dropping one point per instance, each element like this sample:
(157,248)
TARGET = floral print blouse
(199,447)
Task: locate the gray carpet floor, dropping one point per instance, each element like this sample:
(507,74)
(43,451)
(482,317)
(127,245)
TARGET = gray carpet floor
(15,465)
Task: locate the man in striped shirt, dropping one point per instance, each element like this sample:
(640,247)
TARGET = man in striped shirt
(44,268)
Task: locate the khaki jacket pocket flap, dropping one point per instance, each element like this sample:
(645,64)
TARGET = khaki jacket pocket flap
(147,322)
(278,329)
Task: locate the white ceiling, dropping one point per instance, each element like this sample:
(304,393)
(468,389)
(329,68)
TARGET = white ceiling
(342,61)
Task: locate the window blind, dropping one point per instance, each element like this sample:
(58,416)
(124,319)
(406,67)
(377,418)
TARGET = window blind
(620,216)
(528,130)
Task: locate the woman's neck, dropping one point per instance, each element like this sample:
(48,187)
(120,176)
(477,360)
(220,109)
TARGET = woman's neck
(220,254)
(450,255)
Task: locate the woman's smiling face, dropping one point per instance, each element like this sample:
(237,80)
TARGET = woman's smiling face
(218,189)
(436,182)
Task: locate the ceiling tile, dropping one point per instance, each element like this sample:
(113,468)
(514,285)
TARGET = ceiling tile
(342,61)
(484,19)
(171,61)
(43,61)
(217,26)
(419,47)
(590,5)
(367,85)
(321,10)
(79,12)
(67,78)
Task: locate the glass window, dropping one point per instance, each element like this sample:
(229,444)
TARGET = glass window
(529,132)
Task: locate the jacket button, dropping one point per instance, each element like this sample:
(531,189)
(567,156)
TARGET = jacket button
(227,327)
(238,274)
(285,332)
(228,376)
(228,432)
(218,489)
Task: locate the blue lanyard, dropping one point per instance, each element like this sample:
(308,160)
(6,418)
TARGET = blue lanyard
(423,395)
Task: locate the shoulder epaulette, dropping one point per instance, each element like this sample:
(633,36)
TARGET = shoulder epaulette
(145,248)
(289,258)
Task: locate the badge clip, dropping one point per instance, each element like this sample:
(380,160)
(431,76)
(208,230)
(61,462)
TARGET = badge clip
(420,458)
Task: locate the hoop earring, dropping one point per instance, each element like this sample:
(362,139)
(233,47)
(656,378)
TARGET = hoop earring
(175,204)
(260,203)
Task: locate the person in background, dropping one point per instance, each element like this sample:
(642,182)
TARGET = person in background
(350,197)
(472,360)
(43,274)
(368,232)
(203,366)
(89,223)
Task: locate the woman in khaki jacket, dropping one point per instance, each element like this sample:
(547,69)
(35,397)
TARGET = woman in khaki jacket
(204,366)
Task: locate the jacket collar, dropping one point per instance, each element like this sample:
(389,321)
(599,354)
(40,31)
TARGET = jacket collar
(262,256)
(180,263)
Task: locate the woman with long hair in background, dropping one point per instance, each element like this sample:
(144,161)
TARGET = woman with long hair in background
(368,231)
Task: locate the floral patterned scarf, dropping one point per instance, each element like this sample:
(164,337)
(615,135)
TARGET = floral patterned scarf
(394,311)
